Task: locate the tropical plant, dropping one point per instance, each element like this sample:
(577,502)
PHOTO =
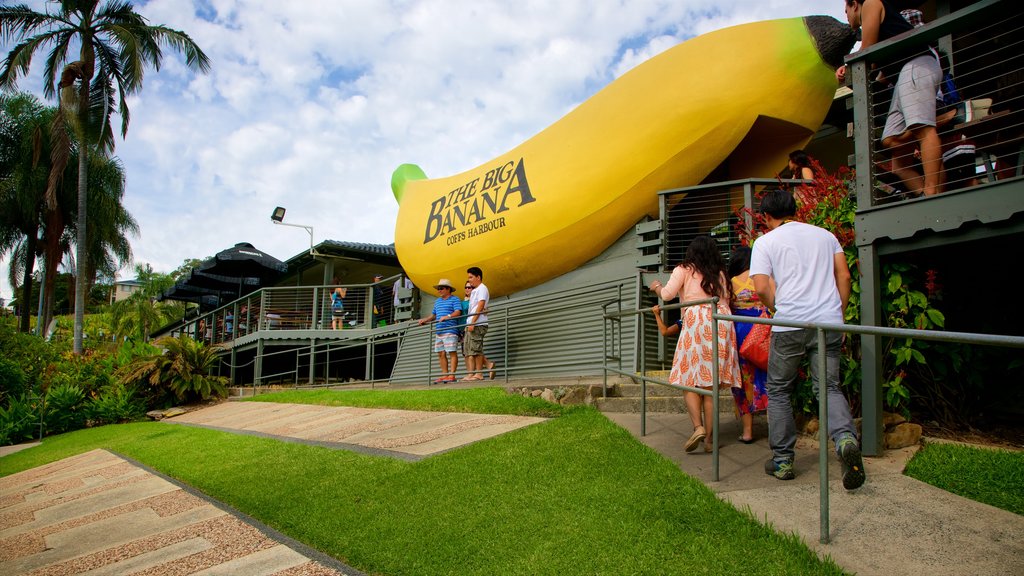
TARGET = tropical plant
(184,369)
(64,408)
(12,380)
(19,419)
(115,46)
(29,352)
(115,404)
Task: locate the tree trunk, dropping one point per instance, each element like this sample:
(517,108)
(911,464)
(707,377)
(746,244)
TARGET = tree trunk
(82,260)
(26,287)
(53,252)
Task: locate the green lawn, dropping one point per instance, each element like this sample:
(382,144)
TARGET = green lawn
(992,476)
(574,495)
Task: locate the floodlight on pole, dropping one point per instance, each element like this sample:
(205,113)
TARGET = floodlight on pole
(277,217)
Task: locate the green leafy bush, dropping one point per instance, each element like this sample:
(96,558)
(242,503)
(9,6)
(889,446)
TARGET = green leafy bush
(28,352)
(116,404)
(19,420)
(65,408)
(88,371)
(12,380)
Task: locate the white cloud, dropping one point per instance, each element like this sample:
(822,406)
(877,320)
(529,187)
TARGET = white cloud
(311,105)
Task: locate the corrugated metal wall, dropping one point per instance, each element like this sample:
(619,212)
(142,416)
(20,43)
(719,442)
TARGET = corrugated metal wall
(560,332)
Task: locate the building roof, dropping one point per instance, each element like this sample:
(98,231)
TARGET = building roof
(377,249)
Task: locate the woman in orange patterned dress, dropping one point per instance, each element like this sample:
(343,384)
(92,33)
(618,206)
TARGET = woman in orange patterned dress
(701,274)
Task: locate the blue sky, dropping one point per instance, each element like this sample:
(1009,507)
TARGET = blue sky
(311,105)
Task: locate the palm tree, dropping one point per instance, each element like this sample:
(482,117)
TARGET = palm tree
(30,226)
(139,314)
(110,224)
(24,169)
(116,46)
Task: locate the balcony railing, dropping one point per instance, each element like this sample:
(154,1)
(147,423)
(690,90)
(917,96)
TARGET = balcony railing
(982,137)
(366,307)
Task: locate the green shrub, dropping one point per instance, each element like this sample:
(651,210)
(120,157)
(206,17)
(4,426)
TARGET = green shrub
(28,352)
(19,420)
(116,404)
(88,371)
(12,380)
(65,408)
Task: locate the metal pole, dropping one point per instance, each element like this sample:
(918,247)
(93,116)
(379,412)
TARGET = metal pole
(312,359)
(604,348)
(508,328)
(822,439)
(643,379)
(259,365)
(714,391)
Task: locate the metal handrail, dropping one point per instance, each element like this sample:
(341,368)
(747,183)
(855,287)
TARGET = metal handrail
(822,328)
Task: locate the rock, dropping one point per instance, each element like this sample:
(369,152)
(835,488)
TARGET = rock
(168,413)
(172,412)
(811,427)
(548,395)
(890,420)
(902,435)
(536,393)
(574,395)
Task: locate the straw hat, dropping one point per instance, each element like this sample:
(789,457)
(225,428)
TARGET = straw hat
(444,283)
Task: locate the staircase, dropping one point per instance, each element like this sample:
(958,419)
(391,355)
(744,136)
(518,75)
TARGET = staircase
(625,397)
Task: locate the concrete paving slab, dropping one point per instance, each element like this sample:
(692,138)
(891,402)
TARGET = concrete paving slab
(411,434)
(167,554)
(892,525)
(155,525)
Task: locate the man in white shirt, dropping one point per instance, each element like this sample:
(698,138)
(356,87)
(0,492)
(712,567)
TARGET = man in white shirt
(811,284)
(476,325)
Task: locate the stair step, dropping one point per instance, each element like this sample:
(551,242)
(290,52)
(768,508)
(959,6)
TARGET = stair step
(659,403)
(632,405)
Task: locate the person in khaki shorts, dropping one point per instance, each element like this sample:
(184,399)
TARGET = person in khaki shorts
(476,325)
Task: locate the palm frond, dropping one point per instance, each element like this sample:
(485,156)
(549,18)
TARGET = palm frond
(19,21)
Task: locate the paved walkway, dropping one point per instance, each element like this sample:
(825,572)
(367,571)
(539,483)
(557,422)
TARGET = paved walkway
(99,511)
(891,525)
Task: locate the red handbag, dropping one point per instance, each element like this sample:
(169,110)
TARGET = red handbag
(756,345)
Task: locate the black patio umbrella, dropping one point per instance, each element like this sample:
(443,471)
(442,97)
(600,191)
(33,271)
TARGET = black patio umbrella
(226,285)
(243,260)
(206,298)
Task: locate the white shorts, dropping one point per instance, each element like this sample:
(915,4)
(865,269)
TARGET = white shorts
(913,101)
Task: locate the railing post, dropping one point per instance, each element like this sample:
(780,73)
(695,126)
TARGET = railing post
(258,376)
(715,376)
(643,378)
(508,328)
(604,349)
(312,360)
(822,438)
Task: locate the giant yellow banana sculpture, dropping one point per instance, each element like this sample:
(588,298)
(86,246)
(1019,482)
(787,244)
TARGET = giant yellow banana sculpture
(749,94)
